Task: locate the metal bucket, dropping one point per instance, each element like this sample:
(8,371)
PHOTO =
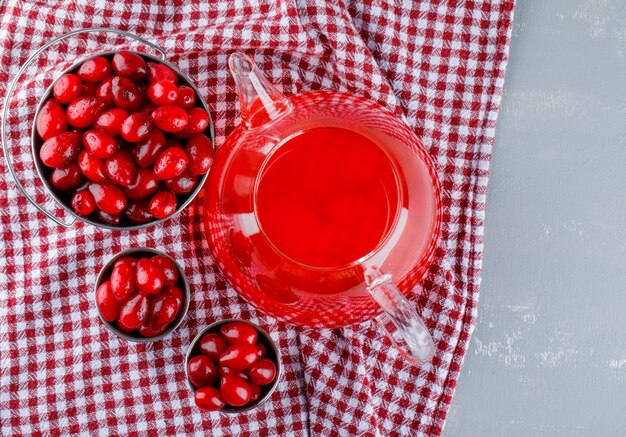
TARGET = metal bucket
(36,142)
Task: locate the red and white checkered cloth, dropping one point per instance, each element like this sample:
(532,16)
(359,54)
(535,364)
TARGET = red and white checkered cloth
(438,64)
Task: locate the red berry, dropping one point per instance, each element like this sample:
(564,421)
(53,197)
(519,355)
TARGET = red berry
(120,168)
(50,120)
(169,269)
(134,312)
(99,143)
(105,91)
(197,122)
(150,276)
(170,118)
(163,204)
(136,127)
(137,211)
(109,219)
(132,262)
(66,178)
(147,330)
(163,310)
(89,89)
(262,372)
(60,150)
(126,95)
(183,184)
(67,88)
(84,111)
(162,92)
(186,97)
(148,150)
(255,391)
(158,72)
(239,332)
(109,198)
(108,306)
(209,399)
(223,370)
(142,185)
(235,390)
(202,371)
(239,356)
(170,163)
(176,293)
(94,69)
(129,64)
(200,151)
(83,203)
(260,350)
(213,345)
(91,166)
(147,108)
(123,282)
(110,121)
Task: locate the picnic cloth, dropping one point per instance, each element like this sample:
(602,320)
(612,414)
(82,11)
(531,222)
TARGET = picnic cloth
(439,65)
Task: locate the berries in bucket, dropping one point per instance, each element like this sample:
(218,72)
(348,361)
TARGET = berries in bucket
(142,295)
(123,140)
(232,366)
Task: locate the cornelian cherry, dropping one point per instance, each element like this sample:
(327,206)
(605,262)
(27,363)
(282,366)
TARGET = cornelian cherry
(136,127)
(130,65)
(83,203)
(239,356)
(200,152)
(109,198)
(143,184)
(123,282)
(176,293)
(105,91)
(126,95)
(84,111)
(163,310)
(197,122)
(202,371)
(106,302)
(66,178)
(169,269)
(93,168)
(163,204)
(94,69)
(158,72)
(50,120)
(235,390)
(150,276)
(183,184)
(146,151)
(67,88)
(262,372)
(99,143)
(120,168)
(171,163)
(60,150)
(170,118)
(213,345)
(162,92)
(134,312)
(137,211)
(110,121)
(209,399)
(186,97)
(239,332)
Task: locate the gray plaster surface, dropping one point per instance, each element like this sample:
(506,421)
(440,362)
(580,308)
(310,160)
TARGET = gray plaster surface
(548,356)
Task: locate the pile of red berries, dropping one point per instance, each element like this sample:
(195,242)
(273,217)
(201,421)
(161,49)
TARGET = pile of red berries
(231,368)
(123,139)
(142,295)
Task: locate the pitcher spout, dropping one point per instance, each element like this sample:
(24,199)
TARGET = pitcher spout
(259,100)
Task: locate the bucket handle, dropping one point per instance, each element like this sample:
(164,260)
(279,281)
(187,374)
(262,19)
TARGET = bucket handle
(14,83)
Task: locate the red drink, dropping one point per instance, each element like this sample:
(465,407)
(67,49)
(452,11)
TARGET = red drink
(297,209)
(327,197)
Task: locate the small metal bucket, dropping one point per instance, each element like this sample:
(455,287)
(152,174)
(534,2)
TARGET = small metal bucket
(36,141)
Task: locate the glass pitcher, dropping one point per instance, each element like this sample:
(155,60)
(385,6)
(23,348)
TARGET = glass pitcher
(317,203)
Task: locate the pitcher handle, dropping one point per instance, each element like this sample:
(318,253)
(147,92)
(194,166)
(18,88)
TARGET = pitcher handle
(403,315)
(9,94)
